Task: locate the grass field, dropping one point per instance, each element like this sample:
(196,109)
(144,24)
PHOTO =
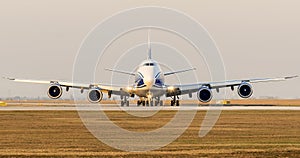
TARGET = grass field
(237,133)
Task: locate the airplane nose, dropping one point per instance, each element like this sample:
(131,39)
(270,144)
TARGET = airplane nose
(149,83)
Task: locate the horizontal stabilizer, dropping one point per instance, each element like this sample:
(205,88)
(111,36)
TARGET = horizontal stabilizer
(180,71)
(121,71)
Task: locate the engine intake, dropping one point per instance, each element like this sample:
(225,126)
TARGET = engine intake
(54,91)
(245,90)
(204,94)
(95,95)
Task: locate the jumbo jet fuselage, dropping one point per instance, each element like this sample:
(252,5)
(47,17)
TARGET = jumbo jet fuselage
(149,80)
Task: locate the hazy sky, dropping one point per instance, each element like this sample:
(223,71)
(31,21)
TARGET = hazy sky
(256,38)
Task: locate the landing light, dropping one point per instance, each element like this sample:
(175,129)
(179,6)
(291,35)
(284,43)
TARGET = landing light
(171,88)
(129,88)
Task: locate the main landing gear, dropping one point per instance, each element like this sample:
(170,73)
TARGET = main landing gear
(151,102)
(124,101)
(141,102)
(175,101)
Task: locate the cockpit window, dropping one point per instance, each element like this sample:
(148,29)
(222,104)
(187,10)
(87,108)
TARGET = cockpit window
(149,64)
(158,82)
(140,82)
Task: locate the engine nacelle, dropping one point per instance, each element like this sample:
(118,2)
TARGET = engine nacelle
(245,90)
(95,95)
(54,91)
(204,94)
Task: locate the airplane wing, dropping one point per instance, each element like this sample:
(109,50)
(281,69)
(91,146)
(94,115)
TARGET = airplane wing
(191,88)
(113,89)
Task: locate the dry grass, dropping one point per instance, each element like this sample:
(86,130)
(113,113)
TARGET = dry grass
(237,133)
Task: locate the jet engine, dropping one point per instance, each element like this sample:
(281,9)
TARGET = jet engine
(245,90)
(95,95)
(55,91)
(204,94)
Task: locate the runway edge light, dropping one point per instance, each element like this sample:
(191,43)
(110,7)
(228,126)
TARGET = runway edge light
(2,103)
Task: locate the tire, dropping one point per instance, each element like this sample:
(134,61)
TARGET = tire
(138,103)
(172,103)
(161,103)
(127,103)
(177,102)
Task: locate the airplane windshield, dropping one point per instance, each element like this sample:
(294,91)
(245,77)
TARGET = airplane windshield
(140,82)
(158,82)
(149,64)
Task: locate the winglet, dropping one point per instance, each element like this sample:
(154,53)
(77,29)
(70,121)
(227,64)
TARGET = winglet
(149,46)
(8,78)
(290,77)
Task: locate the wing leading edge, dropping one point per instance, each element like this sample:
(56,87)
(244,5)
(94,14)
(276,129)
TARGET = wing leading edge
(191,88)
(103,87)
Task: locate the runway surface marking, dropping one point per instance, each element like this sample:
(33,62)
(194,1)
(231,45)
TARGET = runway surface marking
(114,107)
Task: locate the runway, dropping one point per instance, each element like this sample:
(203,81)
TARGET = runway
(113,107)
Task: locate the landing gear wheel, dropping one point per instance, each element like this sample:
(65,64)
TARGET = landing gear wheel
(177,103)
(161,103)
(172,103)
(144,103)
(124,101)
(139,103)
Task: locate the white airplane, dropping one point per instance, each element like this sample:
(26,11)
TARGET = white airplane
(149,86)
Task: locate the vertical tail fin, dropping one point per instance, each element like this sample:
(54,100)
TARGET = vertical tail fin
(149,46)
